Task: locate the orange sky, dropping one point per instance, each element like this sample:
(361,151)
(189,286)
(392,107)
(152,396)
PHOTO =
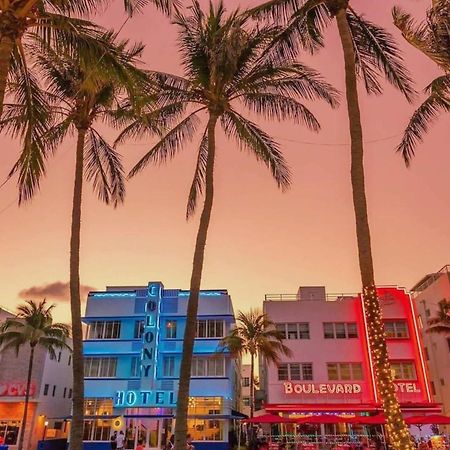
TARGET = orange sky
(261,240)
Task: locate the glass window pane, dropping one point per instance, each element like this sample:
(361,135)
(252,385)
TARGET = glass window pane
(295,371)
(303,329)
(138,329)
(389,329)
(396,370)
(332,371)
(401,330)
(340,330)
(328,330)
(307,370)
(409,371)
(211,328)
(344,371)
(109,330)
(292,331)
(95,366)
(219,329)
(352,331)
(281,328)
(357,371)
(283,372)
(201,329)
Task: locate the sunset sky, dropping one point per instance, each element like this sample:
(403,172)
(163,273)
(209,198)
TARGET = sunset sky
(261,240)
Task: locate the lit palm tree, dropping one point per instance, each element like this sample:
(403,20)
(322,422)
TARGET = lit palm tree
(29,21)
(370,53)
(32,327)
(80,94)
(255,335)
(432,38)
(225,69)
(440,324)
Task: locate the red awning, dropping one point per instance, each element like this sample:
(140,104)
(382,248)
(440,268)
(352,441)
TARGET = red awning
(379,419)
(430,419)
(269,418)
(314,407)
(319,419)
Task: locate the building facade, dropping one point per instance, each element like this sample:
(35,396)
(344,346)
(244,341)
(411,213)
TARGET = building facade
(245,389)
(330,371)
(133,348)
(429,294)
(50,393)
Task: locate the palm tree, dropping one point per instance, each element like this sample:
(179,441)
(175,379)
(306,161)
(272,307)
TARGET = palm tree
(80,94)
(440,324)
(369,53)
(432,38)
(33,327)
(225,63)
(29,21)
(255,335)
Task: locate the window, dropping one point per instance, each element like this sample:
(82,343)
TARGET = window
(246,381)
(344,371)
(206,429)
(54,391)
(396,329)
(442,382)
(95,430)
(138,329)
(246,401)
(70,360)
(403,370)
(427,356)
(171,329)
(135,369)
(9,429)
(64,392)
(210,328)
(59,356)
(52,356)
(70,393)
(100,367)
(340,330)
(295,371)
(448,344)
(208,367)
(293,330)
(46,386)
(169,366)
(433,388)
(427,312)
(103,330)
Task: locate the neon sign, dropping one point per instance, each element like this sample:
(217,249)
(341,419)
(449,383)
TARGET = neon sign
(322,388)
(410,388)
(124,399)
(16,389)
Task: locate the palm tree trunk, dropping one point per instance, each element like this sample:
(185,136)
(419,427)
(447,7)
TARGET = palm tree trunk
(398,432)
(6,47)
(197,267)
(27,400)
(76,430)
(252,385)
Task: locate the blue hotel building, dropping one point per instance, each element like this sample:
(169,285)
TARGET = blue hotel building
(133,346)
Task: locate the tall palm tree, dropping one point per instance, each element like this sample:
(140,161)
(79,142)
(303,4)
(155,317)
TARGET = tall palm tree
(80,95)
(32,327)
(432,38)
(225,67)
(369,53)
(255,335)
(440,324)
(24,22)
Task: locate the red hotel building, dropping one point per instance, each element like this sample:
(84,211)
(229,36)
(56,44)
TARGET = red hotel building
(330,370)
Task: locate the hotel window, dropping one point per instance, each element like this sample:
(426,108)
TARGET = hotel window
(97,430)
(54,391)
(171,329)
(427,356)
(70,393)
(208,367)
(340,330)
(9,430)
(104,330)
(344,371)
(246,382)
(135,369)
(396,329)
(138,329)
(246,401)
(169,366)
(206,429)
(404,370)
(210,328)
(293,330)
(70,360)
(295,371)
(100,367)
(46,386)
(65,392)
(433,388)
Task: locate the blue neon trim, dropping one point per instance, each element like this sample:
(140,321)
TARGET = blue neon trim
(112,294)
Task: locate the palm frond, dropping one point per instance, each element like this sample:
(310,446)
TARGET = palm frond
(249,135)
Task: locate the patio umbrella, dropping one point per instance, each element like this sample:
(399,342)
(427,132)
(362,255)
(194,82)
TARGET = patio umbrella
(323,419)
(269,418)
(379,419)
(432,418)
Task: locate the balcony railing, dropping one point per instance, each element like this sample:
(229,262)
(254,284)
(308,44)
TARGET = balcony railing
(296,297)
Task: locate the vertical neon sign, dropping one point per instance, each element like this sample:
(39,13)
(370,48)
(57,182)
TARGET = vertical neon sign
(150,336)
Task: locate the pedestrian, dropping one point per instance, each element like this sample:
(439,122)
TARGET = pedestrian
(120,440)
(171,443)
(114,441)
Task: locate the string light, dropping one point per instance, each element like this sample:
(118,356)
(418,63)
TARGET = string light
(396,427)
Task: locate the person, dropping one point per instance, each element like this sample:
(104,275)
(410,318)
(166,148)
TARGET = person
(189,445)
(2,439)
(114,441)
(120,440)
(171,443)
(260,433)
(139,446)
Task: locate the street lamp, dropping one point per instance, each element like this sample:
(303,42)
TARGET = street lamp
(45,429)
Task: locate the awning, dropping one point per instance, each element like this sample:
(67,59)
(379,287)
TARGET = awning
(437,419)
(238,415)
(269,418)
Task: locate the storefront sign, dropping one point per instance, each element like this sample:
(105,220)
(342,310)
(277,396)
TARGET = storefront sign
(156,399)
(16,389)
(322,388)
(410,388)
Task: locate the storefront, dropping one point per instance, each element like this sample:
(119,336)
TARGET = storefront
(133,348)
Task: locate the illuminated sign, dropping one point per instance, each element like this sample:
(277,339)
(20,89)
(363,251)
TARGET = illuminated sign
(16,389)
(203,294)
(410,388)
(322,388)
(124,399)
